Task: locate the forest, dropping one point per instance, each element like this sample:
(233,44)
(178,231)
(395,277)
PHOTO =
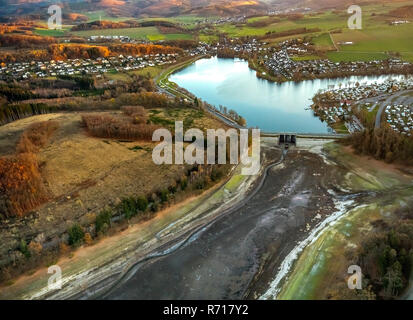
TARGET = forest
(83,51)
(21,186)
(132,125)
(25,41)
(383,144)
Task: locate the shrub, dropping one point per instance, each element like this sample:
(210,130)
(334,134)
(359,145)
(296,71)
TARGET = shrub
(164,195)
(216,174)
(36,136)
(173,187)
(128,207)
(155,207)
(137,113)
(103,221)
(183,183)
(64,248)
(23,248)
(88,238)
(142,203)
(76,235)
(35,248)
(201,183)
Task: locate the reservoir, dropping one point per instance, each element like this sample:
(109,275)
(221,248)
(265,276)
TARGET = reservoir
(270,106)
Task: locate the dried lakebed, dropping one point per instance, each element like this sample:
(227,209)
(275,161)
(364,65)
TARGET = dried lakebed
(242,240)
(238,255)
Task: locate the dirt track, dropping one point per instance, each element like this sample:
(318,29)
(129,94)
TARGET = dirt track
(238,254)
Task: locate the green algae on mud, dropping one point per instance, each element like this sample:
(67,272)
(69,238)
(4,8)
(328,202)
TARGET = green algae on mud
(319,260)
(361,175)
(322,266)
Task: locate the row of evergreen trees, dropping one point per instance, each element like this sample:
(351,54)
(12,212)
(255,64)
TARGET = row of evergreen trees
(13,112)
(383,144)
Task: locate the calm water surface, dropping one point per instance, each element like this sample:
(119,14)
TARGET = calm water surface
(270,106)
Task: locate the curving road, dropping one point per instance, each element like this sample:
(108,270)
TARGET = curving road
(384,104)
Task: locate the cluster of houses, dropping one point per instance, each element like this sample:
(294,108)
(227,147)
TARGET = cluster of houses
(203,48)
(400,118)
(26,70)
(281,64)
(293,47)
(123,39)
(250,46)
(286,11)
(222,20)
(355,92)
(335,105)
(339,114)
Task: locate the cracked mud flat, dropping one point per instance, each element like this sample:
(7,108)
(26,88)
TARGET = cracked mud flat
(239,254)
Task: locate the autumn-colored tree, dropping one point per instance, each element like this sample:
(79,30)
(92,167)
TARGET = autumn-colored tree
(24,41)
(108,126)
(21,186)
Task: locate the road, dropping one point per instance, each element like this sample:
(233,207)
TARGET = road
(399,97)
(235,256)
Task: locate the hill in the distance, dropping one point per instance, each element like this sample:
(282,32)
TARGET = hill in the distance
(136,8)
(139,8)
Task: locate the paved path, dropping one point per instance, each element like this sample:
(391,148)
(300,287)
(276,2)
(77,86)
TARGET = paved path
(384,104)
(332,40)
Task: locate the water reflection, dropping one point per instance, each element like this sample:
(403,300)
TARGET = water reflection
(270,106)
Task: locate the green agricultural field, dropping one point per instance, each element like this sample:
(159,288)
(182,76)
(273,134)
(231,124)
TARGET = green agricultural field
(51,32)
(133,33)
(378,38)
(170,36)
(256,19)
(189,21)
(147,33)
(372,42)
(323,42)
(326,22)
(236,31)
(208,38)
(356,56)
(408,56)
(306,58)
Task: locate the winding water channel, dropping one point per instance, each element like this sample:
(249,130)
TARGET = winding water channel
(270,106)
